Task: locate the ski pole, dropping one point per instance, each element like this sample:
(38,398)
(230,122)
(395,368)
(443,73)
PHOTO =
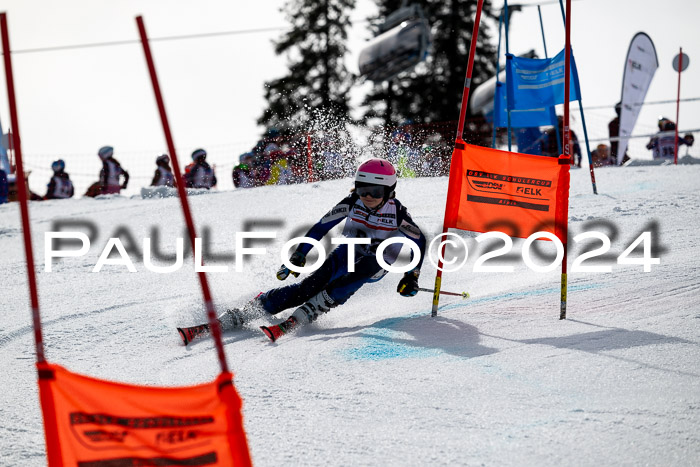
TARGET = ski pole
(442,292)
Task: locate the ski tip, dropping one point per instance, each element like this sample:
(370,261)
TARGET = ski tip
(268,333)
(183,335)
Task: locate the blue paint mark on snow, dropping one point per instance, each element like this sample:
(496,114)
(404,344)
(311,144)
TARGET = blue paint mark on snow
(377,349)
(383,341)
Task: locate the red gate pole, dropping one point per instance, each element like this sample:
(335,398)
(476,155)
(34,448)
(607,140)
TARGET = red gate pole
(309,159)
(208,303)
(22,193)
(678,105)
(458,142)
(567,154)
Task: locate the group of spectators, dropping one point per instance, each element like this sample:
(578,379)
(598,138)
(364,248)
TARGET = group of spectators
(281,161)
(414,156)
(275,160)
(548,142)
(662,144)
(198,174)
(113,177)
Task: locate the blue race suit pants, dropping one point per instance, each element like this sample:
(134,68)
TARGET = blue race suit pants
(332,276)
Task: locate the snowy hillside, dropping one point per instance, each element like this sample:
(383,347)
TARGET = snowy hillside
(496,379)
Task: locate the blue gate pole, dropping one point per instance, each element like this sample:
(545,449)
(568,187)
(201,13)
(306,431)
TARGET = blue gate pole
(505,5)
(552,112)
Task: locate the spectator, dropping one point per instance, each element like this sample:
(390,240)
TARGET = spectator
(242,173)
(4,187)
(529,140)
(663,143)
(614,132)
(401,152)
(280,172)
(550,146)
(268,142)
(332,160)
(164,174)
(111,172)
(60,185)
(431,165)
(688,140)
(601,156)
(299,164)
(201,175)
(438,152)
(261,169)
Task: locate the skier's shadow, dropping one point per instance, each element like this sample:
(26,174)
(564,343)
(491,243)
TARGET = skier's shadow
(413,336)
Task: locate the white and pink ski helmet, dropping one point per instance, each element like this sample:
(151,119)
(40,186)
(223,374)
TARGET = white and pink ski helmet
(377,171)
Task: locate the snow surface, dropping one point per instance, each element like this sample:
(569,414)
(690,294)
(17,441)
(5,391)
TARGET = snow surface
(496,379)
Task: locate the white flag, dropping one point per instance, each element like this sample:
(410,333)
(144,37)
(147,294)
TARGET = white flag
(640,67)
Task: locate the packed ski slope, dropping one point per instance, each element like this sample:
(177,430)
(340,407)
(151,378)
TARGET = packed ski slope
(496,379)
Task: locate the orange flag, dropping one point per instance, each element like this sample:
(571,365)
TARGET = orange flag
(95,423)
(517,194)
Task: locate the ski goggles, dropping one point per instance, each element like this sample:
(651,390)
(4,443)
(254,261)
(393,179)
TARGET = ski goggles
(373,191)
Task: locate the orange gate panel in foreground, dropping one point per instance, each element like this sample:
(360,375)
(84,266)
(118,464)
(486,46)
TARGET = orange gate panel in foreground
(95,423)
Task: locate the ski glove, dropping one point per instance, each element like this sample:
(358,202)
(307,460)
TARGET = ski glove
(408,285)
(297,259)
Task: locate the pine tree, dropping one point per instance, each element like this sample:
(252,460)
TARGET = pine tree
(432,91)
(316,88)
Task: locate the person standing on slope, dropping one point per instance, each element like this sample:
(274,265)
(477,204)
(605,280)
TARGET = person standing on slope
(370,211)
(111,172)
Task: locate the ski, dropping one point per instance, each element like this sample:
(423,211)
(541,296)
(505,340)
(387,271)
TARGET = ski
(191,333)
(229,320)
(278,330)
